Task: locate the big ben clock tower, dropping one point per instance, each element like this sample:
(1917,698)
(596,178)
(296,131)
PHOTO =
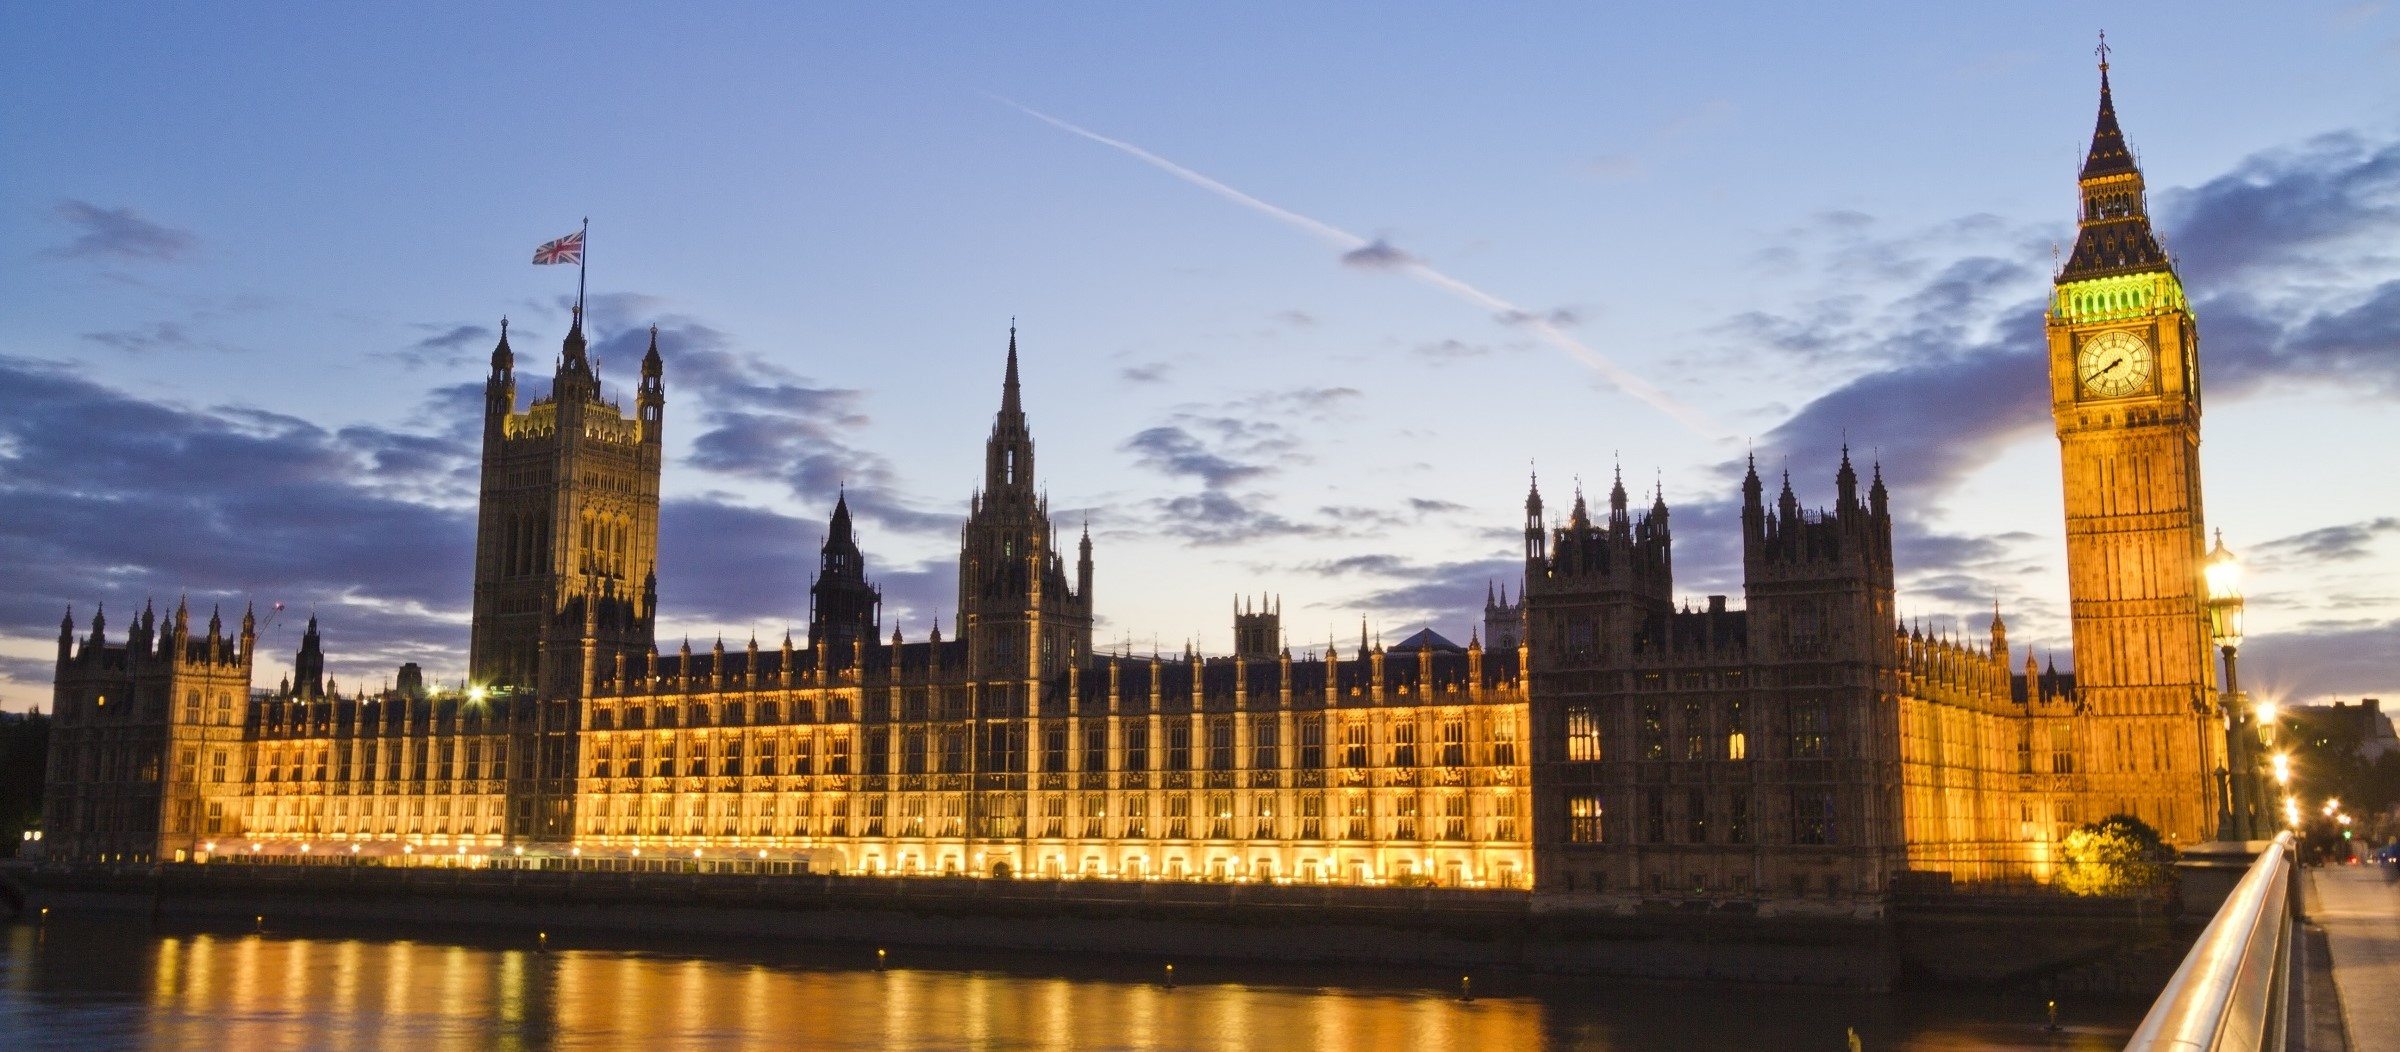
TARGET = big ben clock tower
(2125,392)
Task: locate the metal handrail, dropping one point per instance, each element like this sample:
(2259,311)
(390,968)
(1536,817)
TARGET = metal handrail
(2231,991)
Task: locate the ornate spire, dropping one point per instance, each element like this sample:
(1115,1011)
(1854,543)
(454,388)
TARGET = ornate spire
(2108,155)
(651,365)
(2115,235)
(504,360)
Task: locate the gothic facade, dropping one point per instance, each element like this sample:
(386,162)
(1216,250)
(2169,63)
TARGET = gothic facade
(1599,739)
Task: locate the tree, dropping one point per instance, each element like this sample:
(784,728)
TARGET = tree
(2117,855)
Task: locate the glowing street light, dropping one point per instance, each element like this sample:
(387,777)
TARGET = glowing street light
(2221,578)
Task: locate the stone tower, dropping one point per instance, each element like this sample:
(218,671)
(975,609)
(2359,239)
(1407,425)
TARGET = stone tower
(2125,393)
(844,611)
(566,538)
(1258,631)
(1019,615)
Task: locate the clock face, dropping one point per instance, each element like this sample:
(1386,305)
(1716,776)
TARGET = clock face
(2114,364)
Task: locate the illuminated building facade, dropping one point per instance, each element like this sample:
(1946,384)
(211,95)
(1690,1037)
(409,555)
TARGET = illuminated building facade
(1612,745)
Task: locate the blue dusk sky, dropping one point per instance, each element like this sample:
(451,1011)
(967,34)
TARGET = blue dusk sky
(1302,291)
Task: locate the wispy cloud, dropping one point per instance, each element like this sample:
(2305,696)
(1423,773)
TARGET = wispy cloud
(118,233)
(1381,255)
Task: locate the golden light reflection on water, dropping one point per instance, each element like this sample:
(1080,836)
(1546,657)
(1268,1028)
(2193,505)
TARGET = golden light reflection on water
(260,992)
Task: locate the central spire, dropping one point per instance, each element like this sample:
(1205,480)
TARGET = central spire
(1008,456)
(1010,404)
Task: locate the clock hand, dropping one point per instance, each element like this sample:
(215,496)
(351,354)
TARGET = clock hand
(2105,370)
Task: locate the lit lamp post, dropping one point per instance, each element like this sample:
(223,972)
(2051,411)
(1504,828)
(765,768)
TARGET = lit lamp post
(2222,576)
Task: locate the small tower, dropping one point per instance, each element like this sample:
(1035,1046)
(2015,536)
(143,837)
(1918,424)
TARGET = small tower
(843,608)
(1257,632)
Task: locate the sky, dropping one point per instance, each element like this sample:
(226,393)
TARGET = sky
(1302,295)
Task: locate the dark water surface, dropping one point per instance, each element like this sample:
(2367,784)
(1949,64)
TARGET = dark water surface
(86,984)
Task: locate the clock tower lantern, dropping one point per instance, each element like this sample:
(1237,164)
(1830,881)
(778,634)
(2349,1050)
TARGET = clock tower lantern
(2125,394)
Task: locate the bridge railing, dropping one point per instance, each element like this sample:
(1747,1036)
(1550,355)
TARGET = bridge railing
(2233,990)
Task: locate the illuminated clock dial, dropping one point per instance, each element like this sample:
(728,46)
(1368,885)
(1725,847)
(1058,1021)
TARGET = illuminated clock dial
(2114,364)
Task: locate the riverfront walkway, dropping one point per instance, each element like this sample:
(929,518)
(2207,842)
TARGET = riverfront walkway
(2361,917)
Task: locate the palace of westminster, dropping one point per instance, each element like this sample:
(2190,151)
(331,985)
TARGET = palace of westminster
(1596,740)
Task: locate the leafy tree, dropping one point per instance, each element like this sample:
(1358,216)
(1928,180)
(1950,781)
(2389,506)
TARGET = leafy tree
(2117,855)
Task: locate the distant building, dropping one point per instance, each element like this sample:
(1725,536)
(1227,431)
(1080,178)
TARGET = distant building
(2365,722)
(1598,739)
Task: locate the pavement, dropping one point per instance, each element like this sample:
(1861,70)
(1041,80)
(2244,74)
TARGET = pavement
(2360,914)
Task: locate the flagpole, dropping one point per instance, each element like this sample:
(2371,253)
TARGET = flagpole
(586,238)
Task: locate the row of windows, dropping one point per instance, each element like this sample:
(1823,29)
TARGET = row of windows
(1694,736)
(1812,813)
(1217,816)
(1003,748)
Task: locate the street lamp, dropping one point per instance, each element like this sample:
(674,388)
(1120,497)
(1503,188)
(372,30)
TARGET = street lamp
(2222,576)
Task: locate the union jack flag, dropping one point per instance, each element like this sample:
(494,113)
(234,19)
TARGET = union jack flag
(568,249)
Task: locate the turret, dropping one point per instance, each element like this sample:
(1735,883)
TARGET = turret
(1536,547)
(1083,567)
(1999,637)
(249,631)
(500,388)
(1845,483)
(66,635)
(651,400)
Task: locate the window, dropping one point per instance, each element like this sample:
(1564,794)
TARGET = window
(1220,812)
(1695,816)
(912,751)
(1654,816)
(1354,742)
(1095,813)
(1312,817)
(1737,817)
(1504,740)
(837,759)
(2062,749)
(1054,747)
(1265,830)
(1695,731)
(1095,749)
(1504,816)
(1137,816)
(1404,817)
(1264,737)
(1404,743)
(1808,730)
(1179,746)
(878,752)
(1179,816)
(1812,817)
(1654,731)
(1358,816)
(1454,742)
(1454,817)
(1137,750)
(1312,742)
(1220,744)
(1054,814)
(1583,733)
(1583,818)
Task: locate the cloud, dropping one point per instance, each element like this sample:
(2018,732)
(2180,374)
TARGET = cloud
(1146,373)
(118,234)
(1175,451)
(2344,543)
(1561,317)
(1378,255)
(1297,319)
(118,498)
(158,336)
(2324,660)
(448,345)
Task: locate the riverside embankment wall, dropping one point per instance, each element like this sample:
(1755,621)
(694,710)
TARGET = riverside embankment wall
(2011,943)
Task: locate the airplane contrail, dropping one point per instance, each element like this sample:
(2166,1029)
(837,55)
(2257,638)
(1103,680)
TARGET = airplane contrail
(1416,268)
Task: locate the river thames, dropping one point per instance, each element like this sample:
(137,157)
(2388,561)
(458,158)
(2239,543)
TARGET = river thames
(104,984)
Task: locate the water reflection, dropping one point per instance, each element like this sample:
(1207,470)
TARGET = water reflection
(91,985)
